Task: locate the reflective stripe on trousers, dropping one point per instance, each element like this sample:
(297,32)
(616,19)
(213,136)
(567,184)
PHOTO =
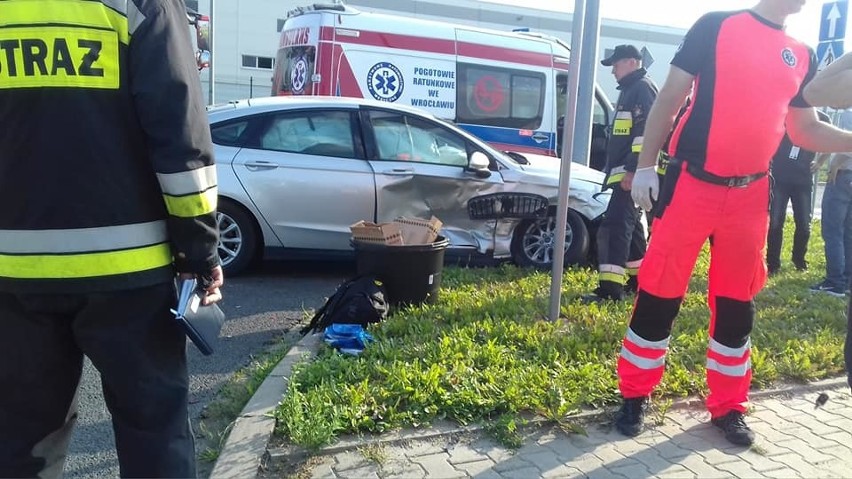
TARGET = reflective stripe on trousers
(640,364)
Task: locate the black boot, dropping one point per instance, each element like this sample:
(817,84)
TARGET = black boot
(630,419)
(735,429)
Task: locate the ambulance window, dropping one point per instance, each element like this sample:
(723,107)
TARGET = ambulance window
(294,67)
(500,97)
(323,133)
(407,138)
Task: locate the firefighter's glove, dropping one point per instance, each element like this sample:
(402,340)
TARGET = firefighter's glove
(646,186)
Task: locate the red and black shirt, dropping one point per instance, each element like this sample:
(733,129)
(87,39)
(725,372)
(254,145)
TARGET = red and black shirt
(748,72)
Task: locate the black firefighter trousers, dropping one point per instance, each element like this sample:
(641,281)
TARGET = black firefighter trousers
(140,352)
(621,239)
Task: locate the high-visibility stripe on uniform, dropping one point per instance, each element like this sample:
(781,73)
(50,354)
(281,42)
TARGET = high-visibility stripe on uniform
(86,265)
(632,267)
(188,182)
(623,123)
(642,353)
(84,252)
(634,338)
(729,352)
(193,205)
(612,273)
(616,175)
(737,370)
(729,361)
(641,364)
(78,240)
(636,147)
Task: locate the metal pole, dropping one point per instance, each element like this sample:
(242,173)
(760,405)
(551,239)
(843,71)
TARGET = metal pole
(211,93)
(251,87)
(567,149)
(586,93)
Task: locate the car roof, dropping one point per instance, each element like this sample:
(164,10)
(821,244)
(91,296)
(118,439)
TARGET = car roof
(251,106)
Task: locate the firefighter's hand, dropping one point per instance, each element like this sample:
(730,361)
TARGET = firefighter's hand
(627,181)
(646,186)
(210,283)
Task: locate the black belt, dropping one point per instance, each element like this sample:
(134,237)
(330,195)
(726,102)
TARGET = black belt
(729,181)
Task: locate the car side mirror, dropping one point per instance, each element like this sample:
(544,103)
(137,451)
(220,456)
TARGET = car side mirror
(478,164)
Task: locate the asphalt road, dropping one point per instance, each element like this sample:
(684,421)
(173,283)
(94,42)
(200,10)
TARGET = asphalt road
(260,306)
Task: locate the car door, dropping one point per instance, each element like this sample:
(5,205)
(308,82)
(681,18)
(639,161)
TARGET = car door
(306,173)
(421,170)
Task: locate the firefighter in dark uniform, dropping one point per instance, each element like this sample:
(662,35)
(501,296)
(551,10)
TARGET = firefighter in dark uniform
(109,187)
(621,237)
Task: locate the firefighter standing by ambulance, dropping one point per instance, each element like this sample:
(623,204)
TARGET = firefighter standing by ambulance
(621,237)
(109,189)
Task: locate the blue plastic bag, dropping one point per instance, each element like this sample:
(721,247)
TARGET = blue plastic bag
(347,338)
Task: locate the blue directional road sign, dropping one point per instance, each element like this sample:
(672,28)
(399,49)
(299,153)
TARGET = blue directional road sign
(832,30)
(832,22)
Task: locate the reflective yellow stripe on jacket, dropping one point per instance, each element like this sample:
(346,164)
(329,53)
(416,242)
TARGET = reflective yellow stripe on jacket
(84,252)
(190,193)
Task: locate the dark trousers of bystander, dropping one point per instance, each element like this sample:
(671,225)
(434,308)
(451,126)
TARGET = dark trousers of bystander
(138,348)
(800,197)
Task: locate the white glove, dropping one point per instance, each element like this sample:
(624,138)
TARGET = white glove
(646,185)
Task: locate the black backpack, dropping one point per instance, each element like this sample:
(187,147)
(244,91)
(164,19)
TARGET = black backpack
(361,300)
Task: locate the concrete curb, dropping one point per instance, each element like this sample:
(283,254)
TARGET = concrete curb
(243,452)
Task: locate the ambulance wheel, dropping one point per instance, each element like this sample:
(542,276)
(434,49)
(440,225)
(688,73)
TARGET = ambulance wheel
(533,242)
(238,235)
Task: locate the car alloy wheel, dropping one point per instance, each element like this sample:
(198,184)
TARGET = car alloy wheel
(535,239)
(230,239)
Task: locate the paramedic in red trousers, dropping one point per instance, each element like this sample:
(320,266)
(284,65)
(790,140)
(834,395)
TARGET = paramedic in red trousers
(621,237)
(107,174)
(741,100)
(833,87)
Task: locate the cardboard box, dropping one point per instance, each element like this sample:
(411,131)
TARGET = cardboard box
(419,230)
(382,233)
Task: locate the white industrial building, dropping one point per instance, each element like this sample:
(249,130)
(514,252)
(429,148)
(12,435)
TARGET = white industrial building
(246,36)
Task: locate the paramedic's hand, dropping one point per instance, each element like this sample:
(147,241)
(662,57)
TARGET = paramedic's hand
(646,185)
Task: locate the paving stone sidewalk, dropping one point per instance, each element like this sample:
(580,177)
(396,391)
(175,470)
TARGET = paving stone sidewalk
(795,440)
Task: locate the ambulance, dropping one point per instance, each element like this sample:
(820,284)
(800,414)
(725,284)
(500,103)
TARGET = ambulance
(508,88)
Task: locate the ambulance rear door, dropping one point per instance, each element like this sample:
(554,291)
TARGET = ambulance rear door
(296,61)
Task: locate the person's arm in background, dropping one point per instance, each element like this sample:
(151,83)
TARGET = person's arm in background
(170,107)
(820,160)
(808,132)
(833,85)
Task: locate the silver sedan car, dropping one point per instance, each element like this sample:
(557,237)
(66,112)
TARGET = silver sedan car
(296,172)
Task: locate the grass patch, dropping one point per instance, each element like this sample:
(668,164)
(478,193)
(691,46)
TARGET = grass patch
(486,353)
(218,417)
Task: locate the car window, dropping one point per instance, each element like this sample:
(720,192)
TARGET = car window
(325,133)
(404,137)
(228,134)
